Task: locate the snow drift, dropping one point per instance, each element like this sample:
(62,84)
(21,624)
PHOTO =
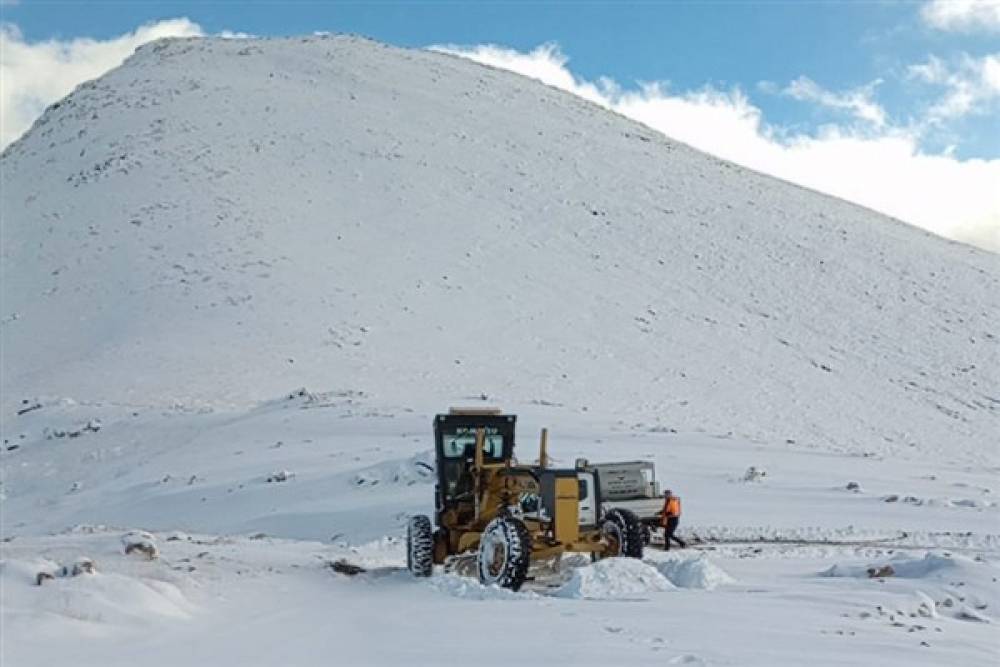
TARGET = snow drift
(470,589)
(956,586)
(103,599)
(693,572)
(614,579)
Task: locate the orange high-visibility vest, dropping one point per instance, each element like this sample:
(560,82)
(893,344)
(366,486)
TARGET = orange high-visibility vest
(672,507)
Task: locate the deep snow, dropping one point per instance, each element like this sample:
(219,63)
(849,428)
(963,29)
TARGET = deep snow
(190,238)
(777,573)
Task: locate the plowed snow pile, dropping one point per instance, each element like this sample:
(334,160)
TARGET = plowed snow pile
(697,572)
(470,589)
(614,579)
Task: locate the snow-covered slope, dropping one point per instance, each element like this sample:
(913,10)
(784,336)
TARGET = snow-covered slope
(216,222)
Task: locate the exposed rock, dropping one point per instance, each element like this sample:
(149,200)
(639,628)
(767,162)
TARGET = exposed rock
(881,571)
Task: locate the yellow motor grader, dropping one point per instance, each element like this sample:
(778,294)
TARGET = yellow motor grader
(510,515)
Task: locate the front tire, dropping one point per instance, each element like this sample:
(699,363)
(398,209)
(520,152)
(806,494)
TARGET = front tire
(419,546)
(504,553)
(623,532)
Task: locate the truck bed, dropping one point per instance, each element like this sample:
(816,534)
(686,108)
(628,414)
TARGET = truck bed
(647,509)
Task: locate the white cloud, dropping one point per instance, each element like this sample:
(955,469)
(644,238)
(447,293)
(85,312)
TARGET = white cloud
(858,101)
(230,34)
(546,63)
(962,15)
(972,85)
(36,74)
(882,168)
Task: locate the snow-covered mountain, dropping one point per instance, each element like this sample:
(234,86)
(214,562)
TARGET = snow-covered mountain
(218,221)
(193,236)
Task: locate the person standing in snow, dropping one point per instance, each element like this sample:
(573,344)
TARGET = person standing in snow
(670,517)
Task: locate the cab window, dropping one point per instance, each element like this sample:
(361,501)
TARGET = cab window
(461,443)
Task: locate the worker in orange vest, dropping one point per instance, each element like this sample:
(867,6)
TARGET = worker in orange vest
(670,517)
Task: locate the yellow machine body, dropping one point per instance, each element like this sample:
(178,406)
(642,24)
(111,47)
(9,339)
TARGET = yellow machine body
(566,522)
(499,486)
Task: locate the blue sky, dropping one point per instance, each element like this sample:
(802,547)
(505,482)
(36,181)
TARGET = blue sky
(828,94)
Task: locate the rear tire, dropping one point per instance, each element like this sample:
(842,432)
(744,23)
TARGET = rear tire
(624,528)
(647,535)
(504,553)
(419,546)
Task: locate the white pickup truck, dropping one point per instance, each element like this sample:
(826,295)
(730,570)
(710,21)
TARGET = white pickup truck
(629,485)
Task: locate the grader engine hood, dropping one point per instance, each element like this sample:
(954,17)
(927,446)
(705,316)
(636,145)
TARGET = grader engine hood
(561,497)
(518,482)
(506,487)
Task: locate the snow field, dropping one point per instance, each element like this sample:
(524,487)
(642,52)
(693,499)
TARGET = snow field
(243,565)
(394,232)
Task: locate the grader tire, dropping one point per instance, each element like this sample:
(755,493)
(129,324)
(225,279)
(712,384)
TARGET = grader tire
(419,546)
(504,553)
(624,527)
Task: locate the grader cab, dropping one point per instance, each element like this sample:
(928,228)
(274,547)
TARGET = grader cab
(510,515)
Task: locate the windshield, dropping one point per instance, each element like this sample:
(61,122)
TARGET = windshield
(461,443)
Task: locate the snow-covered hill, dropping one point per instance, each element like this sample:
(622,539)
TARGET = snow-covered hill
(189,239)
(216,222)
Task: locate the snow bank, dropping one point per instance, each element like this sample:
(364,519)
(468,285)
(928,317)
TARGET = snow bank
(106,598)
(954,586)
(686,659)
(471,589)
(614,579)
(917,501)
(694,572)
(903,566)
(419,468)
